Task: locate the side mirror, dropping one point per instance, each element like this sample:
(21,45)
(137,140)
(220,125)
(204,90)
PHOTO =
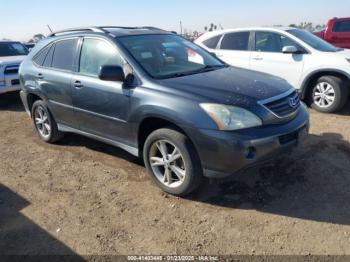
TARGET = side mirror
(290,50)
(111,73)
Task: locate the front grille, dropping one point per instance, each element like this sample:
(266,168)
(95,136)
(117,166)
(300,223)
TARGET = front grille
(285,106)
(10,70)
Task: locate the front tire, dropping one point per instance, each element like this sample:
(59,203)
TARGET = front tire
(44,123)
(172,162)
(329,94)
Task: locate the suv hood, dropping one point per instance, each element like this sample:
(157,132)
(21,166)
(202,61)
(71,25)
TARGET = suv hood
(4,60)
(232,85)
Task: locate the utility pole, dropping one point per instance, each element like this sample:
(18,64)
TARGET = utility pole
(180,28)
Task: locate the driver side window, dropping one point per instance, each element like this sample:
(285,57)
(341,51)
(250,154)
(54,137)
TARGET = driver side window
(96,53)
(272,42)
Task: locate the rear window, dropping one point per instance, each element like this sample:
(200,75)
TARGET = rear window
(12,49)
(212,42)
(341,26)
(64,54)
(235,41)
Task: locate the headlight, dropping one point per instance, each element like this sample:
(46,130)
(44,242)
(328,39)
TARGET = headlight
(231,117)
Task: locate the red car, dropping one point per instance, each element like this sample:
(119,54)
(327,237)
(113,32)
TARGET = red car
(337,32)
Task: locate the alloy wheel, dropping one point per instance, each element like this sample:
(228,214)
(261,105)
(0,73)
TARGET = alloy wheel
(42,121)
(324,95)
(167,163)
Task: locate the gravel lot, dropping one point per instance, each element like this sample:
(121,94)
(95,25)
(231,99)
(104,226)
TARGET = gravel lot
(83,197)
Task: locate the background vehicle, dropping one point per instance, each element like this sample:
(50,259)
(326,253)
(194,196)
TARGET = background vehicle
(11,55)
(318,70)
(139,89)
(337,32)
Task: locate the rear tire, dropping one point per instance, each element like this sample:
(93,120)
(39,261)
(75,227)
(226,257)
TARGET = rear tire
(161,147)
(328,94)
(44,123)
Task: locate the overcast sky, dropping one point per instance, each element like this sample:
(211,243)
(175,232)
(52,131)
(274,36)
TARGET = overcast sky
(20,20)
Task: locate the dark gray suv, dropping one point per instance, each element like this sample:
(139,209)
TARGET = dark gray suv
(160,97)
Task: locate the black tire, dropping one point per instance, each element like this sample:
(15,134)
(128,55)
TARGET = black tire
(341,94)
(193,175)
(54,135)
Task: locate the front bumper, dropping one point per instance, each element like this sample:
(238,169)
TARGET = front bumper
(11,84)
(225,153)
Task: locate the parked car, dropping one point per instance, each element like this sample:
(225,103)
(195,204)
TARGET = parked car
(337,32)
(138,89)
(11,55)
(318,70)
(29,46)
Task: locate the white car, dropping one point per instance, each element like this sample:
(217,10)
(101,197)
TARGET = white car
(11,55)
(317,69)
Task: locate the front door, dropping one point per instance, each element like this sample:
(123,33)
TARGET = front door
(101,107)
(269,58)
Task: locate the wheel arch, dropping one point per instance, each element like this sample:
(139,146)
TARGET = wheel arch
(313,76)
(151,123)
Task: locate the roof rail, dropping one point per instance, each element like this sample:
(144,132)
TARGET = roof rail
(78,29)
(99,29)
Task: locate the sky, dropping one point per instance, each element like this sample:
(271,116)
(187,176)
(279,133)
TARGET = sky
(21,19)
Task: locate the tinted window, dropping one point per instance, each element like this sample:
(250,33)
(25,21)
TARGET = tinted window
(341,26)
(12,49)
(40,57)
(272,42)
(235,41)
(212,42)
(96,53)
(64,54)
(48,59)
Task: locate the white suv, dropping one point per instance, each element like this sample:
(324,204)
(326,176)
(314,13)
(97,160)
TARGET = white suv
(11,55)
(317,69)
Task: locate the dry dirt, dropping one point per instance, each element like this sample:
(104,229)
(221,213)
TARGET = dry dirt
(84,197)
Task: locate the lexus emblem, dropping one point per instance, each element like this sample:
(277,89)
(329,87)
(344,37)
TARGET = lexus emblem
(293,101)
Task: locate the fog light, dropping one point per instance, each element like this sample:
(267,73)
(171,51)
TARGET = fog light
(250,153)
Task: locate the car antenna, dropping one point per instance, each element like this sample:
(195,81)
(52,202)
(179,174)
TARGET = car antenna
(49,29)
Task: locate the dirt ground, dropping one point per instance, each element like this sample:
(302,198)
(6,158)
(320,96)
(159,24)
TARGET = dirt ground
(84,197)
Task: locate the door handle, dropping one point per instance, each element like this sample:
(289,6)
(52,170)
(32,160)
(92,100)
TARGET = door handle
(40,76)
(78,84)
(259,58)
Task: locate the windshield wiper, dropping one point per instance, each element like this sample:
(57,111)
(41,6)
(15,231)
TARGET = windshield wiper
(206,68)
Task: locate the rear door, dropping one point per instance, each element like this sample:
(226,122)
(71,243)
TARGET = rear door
(101,107)
(55,78)
(268,57)
(340,35)
(234,49)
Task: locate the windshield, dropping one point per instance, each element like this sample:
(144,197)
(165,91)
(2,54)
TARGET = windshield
(313,40)
(166,56)
(12,49)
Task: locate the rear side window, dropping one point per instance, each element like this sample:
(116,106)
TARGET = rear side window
(48,59)
(212,42)
(64,54)
(40,57)
(236,41)
(96,53)
(341,26)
